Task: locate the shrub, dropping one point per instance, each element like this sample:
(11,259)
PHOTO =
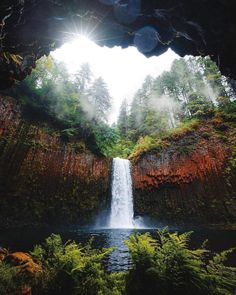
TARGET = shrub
(183,129)
(9,282)
(72,269)
(145,144)
(163,266)
(167,266)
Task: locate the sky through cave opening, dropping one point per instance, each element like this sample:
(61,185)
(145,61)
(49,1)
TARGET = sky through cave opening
(123,70)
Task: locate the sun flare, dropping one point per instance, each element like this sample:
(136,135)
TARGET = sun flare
(123,69)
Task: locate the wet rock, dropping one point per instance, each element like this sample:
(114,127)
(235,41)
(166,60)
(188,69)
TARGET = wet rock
(42,179)
(24,263)
(186,182)
(3,253)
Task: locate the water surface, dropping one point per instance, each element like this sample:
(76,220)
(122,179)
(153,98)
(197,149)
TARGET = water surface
(24,239)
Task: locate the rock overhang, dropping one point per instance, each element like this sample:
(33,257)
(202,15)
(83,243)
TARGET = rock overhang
(32,28)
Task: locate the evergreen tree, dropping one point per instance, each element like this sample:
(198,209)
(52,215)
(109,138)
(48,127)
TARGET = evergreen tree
(100,100)
(83,78)
(123,119)
(200,106)
(220,87)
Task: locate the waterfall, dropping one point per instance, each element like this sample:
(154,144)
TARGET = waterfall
(122,211)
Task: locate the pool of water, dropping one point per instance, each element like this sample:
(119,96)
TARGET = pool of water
(24,239)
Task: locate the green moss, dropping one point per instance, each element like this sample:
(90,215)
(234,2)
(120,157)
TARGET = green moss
(183,129)
(78,147)
(146,144)
(230,140)
(9,281)
(151,144)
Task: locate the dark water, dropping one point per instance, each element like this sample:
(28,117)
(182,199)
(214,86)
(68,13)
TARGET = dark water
(24,239)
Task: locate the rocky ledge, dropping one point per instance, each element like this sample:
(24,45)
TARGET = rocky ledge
(191,180)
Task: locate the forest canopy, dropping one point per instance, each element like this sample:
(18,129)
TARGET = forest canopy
(79,104)
(192,90)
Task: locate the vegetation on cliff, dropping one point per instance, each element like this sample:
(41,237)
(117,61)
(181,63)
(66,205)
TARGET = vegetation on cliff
(160,266)
(192,91)
(190,176)
(43,179)
(183,122)
(173,104)
(75,105)
(179,133)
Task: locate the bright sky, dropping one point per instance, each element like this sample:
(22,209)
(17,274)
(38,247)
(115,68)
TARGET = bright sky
(122,69)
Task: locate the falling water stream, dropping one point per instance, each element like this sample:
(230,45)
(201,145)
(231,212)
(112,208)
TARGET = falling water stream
(122,211)
(120,226)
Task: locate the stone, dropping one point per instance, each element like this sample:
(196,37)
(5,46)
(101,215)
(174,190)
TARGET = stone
(29,30)
(3,253)
(40,160)
(188,187)
(24,263)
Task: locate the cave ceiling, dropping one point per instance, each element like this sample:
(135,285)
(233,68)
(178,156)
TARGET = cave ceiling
(32,28)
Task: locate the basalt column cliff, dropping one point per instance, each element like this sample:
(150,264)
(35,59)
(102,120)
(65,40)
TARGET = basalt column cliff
(190,179)
(42,179)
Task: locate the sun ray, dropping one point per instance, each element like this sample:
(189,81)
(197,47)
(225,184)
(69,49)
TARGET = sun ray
(83,47)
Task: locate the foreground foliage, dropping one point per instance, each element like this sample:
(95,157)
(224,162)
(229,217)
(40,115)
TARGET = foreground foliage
(160,266)
(9,281)
(72,269)
(67,269)
(168,266)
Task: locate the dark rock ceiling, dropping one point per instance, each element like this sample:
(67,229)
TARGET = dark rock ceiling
(32,28)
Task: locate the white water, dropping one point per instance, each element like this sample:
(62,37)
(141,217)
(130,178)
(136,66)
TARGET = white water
(122,211)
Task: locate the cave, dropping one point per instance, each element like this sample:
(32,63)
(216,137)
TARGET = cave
(31,28)
(129,202)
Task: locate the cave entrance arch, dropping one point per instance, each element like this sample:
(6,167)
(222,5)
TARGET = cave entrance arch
(32,28)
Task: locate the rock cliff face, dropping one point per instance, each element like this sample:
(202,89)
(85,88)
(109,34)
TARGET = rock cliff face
(187,182)
(191,179)
(43,179)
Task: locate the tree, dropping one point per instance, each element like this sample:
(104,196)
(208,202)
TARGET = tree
(123,119)
(199,106)
(100,100)
(220,88)
(51,94)
(83,78)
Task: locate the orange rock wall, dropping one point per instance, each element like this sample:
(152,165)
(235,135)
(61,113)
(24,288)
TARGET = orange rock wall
(185,182)
(42,179)
(209,157)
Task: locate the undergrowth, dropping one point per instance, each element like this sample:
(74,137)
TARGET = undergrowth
(73,269)
(156,144)
(169,266)
(164,266)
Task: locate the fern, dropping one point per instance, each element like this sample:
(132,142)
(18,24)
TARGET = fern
(70,268)
(168,266)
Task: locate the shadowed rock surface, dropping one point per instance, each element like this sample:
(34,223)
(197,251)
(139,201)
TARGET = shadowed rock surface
(191,179)
(32,28)
(187,181)
(42,179)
